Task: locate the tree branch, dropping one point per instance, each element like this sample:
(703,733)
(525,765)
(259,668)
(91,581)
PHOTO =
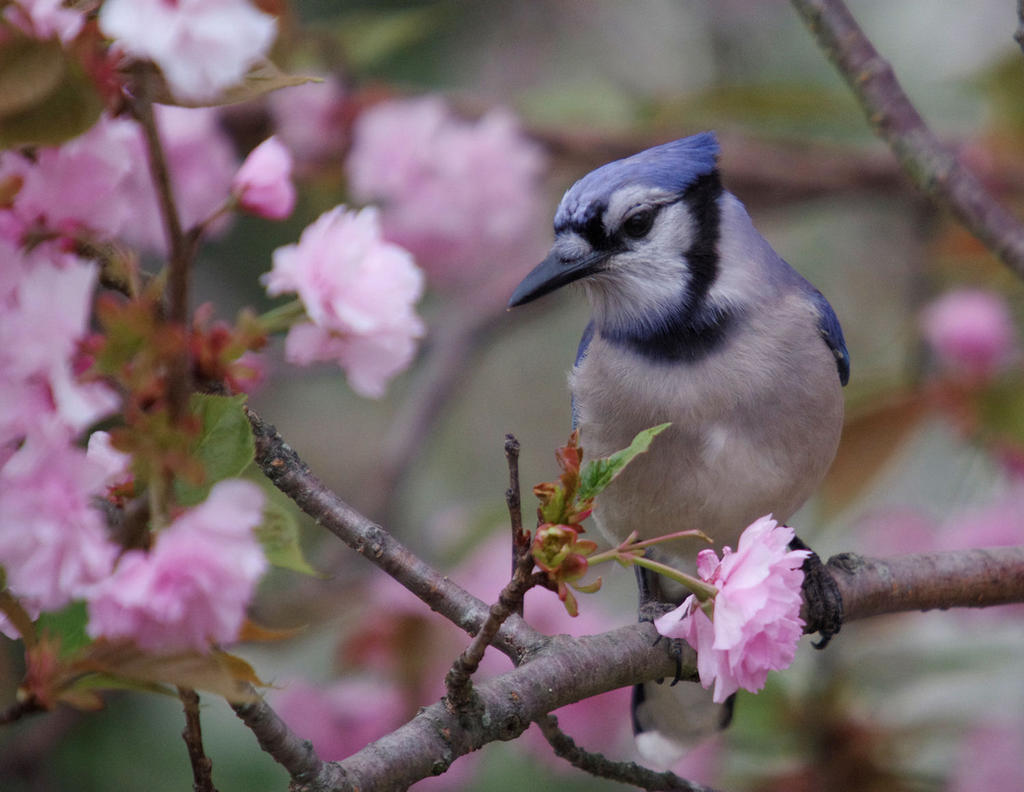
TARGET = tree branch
(931,166)
(565,670)
(954,579)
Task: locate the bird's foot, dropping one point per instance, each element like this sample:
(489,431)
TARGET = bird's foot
(653,609)
(824,602)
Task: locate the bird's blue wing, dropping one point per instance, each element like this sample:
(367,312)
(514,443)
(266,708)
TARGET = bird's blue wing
(581,352)
(828,324)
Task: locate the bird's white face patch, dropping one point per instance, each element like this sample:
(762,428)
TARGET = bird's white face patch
(570,245)
(650,276)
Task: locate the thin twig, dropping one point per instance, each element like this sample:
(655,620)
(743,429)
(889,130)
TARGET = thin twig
(181,251)
(513,500)
(510,601)
(599,765)
(458,682)
(933,167)
(202,767)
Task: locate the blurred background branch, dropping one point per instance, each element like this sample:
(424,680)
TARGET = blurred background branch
(932,166)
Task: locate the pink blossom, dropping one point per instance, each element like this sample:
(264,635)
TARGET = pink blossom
(201,46)
(53,541)
(80,184)
(193,586)
(970,331)
(463,196)
(45,19)
(263,185)
(116,465)
(45,301)
(343,717)
(99,183)
(358,292)
(248,373)
(756,622)
(309,119)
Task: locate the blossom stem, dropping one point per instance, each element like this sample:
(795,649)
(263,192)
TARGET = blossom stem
(630,545)
(279,319)
(702,590)
(229,205)
(668,537)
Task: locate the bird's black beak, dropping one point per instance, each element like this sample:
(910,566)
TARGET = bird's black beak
(554,272)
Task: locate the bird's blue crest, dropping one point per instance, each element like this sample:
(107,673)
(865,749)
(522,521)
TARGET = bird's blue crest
(671,166)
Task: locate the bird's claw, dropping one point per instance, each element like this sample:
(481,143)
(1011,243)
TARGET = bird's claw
(821,594)
(648,612)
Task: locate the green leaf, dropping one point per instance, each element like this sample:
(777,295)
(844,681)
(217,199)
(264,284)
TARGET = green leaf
(67,625)
(51,99)
(30,70)
(225,446)
(599,473)
(279,535)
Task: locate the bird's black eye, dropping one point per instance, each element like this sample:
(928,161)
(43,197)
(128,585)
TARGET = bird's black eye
(639,223)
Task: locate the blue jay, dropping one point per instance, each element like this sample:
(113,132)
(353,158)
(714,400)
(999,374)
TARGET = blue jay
(698,321)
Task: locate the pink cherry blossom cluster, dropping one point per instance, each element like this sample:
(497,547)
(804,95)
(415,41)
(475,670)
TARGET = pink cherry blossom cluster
(193,586)
(358,292)
(464,197)
(53,544)
(98,184)
(755,624)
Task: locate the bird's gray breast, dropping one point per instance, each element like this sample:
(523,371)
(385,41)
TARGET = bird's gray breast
(754,429)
